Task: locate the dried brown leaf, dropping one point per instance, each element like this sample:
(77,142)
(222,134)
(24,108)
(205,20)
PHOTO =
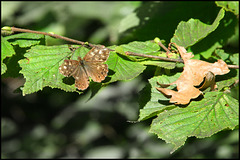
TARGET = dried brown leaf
(195,73)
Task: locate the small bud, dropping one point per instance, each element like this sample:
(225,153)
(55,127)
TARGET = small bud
(156,40)
(51,32)
(7,28)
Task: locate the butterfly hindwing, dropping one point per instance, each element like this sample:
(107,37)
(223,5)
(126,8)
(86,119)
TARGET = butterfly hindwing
(97,71)
(81,78)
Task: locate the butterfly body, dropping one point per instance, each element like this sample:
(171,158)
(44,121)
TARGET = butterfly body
(90,66)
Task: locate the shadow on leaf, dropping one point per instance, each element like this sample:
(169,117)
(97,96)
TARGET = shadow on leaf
(68,80)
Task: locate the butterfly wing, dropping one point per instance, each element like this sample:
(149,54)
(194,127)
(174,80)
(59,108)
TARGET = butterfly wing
(97,54)
(68,67)
(75,69)
(81,78)
(93,63)
(97,71)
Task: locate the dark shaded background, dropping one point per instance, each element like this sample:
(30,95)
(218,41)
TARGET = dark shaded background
(55,124)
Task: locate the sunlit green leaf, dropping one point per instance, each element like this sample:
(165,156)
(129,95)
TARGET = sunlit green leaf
(25,39)
(123,68)
(192,31)
(163,64)
(6,51)
(40,68)
(215,112)
(232,6)
(157,101)
(141,47)
(235,58)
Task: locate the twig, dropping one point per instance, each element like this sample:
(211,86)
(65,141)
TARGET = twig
(14,29)
(155,57)
(165,48)
(161,45)
(233,66)
(169,59)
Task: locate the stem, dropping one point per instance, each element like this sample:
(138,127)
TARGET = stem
(155,57)
(168,59)
(14,29)
(233,66)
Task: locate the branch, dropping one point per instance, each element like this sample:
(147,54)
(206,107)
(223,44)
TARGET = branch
(155,57)
(169,59)
(14,29)
(233,66)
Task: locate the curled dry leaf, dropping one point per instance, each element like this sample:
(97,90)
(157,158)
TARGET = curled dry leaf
(196,75)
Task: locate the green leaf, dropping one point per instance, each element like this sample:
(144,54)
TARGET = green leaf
(12,65)
(3,68)
(167,65)
(26,39)
(95,88)
(222,54)
(219,38)
(40,68)
(232,6)
(79,52)
(192,31)
(157,101)
(123,68)
(152,23)
(235,58)
(6,51)
(141,47)
(23,41)
(226,83)
(120,50)
(148,48)
(215,112)
(194,118)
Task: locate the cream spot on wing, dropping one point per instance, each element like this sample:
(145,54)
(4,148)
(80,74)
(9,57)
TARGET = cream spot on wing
(100,52)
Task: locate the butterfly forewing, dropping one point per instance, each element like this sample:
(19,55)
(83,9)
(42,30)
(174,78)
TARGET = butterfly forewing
(68,67)
(97,54)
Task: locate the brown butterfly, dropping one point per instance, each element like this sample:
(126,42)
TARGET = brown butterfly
(90,66)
